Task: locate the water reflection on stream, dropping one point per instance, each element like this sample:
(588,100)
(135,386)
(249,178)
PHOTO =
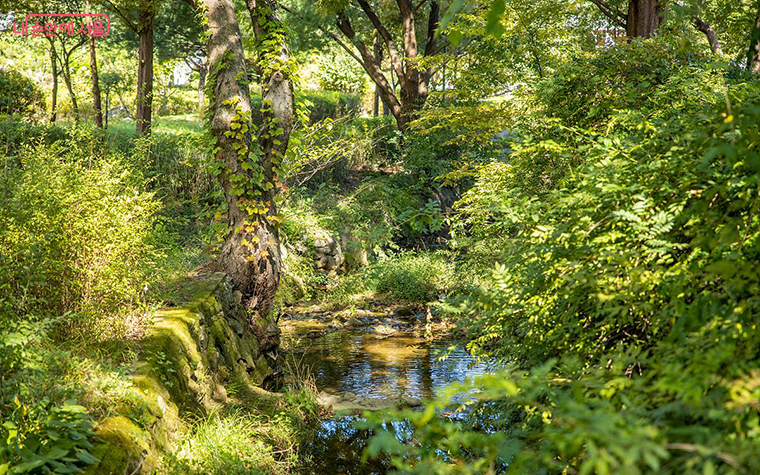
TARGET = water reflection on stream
(403,365)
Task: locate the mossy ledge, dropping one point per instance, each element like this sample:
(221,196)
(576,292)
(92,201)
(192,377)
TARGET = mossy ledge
(191,354)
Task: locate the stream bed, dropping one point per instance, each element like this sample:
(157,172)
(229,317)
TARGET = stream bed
(368,368)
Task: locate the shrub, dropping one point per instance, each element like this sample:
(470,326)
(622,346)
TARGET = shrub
(330,104)
(320,105)
(342,74)
(15,133)
(74,229)
(626,298)
(412,277)
(18,94)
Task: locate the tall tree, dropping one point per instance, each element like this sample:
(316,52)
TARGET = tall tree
(250,254)
(54,68)
(644,18)
(145,11)
(412,77)
(144,99)
(408,65)
(753,54)
(97,107)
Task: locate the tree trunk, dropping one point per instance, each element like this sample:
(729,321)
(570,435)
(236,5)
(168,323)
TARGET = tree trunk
(54,66)
(144,100)
(202,71)
(250,254)
(712,37)
(377,49)
(753,55)
(94,73)
(367,61)
(644,17)
(66,70)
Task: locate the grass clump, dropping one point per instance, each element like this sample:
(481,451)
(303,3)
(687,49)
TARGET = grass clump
(407,278)
(259,437)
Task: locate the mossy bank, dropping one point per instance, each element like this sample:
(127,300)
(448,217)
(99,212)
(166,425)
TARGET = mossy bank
(192,354)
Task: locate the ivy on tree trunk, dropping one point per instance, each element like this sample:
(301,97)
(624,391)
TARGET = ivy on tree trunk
(249,154)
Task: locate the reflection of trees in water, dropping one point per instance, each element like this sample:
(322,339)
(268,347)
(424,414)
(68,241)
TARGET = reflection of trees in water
(338,448)
(372,367)
(369,366)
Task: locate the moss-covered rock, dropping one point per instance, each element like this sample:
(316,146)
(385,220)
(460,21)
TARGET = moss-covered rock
(190,353)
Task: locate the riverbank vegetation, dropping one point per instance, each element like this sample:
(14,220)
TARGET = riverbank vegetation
(572,188)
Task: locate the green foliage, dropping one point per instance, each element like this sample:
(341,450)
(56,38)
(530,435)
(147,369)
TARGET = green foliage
(653,78)
(37,434)
(412,277)
(74,228)
(342,74)
(329,104)
(46,438)
(261,439)
(18,95)
(626,298)
(16,133)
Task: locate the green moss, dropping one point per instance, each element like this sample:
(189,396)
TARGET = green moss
(125,445)
(176,376)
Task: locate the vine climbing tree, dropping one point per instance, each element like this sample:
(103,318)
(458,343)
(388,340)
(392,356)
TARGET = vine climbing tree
(248,153)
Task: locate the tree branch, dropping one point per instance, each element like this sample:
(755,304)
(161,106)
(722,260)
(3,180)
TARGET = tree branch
(707,29)
(124,18)
(370,66)
(433,22)
(386,36)
(611,13)
(332,35)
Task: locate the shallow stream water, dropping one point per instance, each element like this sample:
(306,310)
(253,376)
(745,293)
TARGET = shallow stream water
(372,367)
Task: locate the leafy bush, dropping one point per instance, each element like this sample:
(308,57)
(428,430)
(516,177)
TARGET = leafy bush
(324,104)
(341,73)
(409,277)
(412,277)
(37,435)
(46,438)
(18,94)
(626,300)
(75,229)
(320,105)
(16,133)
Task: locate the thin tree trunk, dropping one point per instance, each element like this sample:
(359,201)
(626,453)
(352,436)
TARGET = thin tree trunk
(753,54)
(712,37)
(66,69)
(94,73)
(54,66)
(125,106)
(644,17)
(707,29)
(367,61)
(377,49)
(144,101)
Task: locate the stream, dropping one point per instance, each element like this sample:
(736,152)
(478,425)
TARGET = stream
(368,368)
